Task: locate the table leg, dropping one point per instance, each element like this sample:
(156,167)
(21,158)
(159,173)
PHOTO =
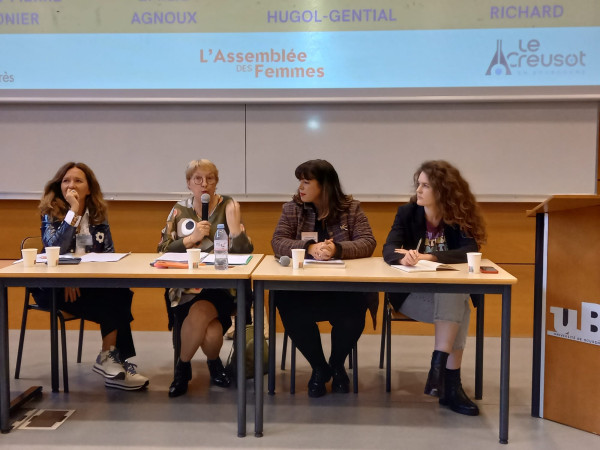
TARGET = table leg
(4,376)
(505,364)
(479,350)
(538,312)
(272,342)
(259,320)
(240,330)
(54,342)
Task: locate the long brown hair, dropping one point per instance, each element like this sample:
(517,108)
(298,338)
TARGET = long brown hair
(454,198)
(333,199)
(54,204)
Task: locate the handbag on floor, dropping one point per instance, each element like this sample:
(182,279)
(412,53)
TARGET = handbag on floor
(249,354)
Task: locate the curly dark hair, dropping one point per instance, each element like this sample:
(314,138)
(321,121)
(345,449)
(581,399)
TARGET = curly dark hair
(54,204)
(454,198)
(333,199)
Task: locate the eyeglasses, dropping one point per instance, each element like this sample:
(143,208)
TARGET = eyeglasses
(201,180)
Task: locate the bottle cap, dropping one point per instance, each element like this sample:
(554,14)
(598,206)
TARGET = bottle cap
(220,226)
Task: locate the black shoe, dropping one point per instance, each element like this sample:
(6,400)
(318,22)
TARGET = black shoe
(435,379)
(218,375)
(316,384)
(341,382)
(183,374)
(455,397)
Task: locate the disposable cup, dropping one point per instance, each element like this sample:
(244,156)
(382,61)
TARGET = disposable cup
(193,258)
(474,261)
(298,258)
(52,254)
(29,256)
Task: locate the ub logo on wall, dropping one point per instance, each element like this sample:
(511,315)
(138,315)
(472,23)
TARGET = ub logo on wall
(565,323)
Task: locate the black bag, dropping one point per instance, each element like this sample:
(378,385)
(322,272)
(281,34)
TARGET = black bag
(249,359)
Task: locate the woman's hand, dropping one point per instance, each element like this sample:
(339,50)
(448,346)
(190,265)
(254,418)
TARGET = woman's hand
(72,199)
(233,214)
(411,257)
(322,251)
(200,232)
(71,294)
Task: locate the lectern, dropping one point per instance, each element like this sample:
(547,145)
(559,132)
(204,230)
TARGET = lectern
(566,355)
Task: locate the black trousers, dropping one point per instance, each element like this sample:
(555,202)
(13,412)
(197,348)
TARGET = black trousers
(108,307)
(301,310)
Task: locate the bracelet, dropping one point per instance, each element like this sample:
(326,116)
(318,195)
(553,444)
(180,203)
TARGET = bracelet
(72,219)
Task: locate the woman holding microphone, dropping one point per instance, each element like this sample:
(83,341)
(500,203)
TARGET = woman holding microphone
(205,314)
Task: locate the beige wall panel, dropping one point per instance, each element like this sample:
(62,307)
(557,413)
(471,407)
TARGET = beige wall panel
(136,227)
(511,235)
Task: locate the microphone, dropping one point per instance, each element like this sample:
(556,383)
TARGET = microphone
(205,199)
(284,261)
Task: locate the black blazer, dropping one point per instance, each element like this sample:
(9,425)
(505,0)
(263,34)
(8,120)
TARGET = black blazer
(409,226)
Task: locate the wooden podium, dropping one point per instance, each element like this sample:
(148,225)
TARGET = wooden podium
(566,358)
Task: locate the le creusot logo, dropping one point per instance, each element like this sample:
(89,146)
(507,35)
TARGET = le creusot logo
(565,323)
(530,54)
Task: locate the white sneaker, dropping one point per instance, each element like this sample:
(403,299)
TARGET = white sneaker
(109,365)
(132,380)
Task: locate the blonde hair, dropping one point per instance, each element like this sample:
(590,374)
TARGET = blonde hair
(203,164)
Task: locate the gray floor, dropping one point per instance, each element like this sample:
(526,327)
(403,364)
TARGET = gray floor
(205,417)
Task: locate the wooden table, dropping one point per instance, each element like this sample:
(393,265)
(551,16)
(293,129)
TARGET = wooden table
(132,271)
(374,275)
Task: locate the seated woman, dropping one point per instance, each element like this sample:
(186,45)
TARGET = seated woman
(329,225)
(205,314)
(74,218)
(444,217)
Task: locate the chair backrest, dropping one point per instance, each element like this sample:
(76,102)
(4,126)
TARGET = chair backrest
(393,314)
(33,242)
(398,316)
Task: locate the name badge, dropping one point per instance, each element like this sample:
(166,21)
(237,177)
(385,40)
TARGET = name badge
(84,239)
(83,243)
(310,236)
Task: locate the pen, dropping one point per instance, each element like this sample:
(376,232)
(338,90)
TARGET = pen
(418,245)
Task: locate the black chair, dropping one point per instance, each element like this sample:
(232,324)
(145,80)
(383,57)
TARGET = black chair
(390,315)
(36,242)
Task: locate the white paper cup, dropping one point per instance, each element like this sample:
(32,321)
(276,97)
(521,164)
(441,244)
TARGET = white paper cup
(474,261)
(52,254)
(298,258)
(29,256)
(193,258)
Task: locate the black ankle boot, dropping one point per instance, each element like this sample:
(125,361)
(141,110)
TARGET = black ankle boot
(183,374)
(341,382)
(316,384)
(435,379)
(218,376)
(455,397)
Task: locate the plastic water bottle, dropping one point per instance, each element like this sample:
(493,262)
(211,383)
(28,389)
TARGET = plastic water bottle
(221,248)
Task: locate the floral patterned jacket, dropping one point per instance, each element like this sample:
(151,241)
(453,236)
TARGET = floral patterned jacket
(60,233)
